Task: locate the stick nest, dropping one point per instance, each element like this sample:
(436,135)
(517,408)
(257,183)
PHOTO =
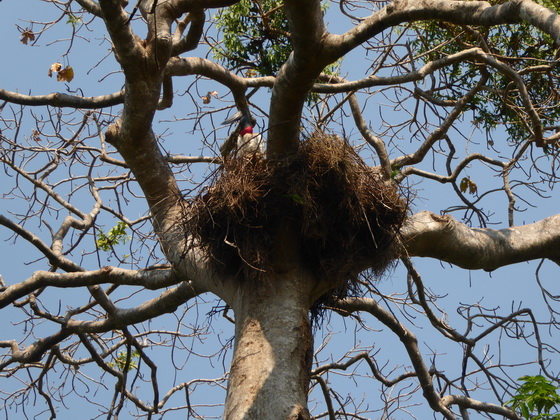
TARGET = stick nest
(346,216)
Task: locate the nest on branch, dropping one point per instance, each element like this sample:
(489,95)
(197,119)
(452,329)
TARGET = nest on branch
(347,218)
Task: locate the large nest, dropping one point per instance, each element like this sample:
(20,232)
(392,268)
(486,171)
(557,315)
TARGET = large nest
(346,216)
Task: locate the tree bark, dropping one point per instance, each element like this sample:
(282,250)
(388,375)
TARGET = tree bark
(442,237)
(270,371)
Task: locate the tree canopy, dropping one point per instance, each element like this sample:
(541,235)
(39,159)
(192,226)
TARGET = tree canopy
(392,254)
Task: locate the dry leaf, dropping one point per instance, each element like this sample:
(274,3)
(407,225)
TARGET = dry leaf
(35,136)
(26,36)
(206,98)
(467,183)
(473,188)
(65,75)
(54,67)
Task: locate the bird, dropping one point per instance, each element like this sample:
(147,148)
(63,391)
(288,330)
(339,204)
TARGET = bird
(242,138)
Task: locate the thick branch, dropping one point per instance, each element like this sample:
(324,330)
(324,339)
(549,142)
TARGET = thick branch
(189,42)
(186,66)
(91,6)
(465,402)
(180,66)
(63,100)
(167,302)
(54,259)
(185,6)
(128,48)
(150,279)
(545,19)
(428,235)
(297,76)
(479,13)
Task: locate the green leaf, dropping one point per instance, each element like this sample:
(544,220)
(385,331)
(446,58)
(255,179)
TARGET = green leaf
(536,398)
(73,20)
(117,235)
(255,37)
(525,411)
(122,357)
(519,46)
(297,198)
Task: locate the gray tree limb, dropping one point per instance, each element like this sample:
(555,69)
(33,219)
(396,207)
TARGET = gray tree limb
(150,279)
(63,100)
(459,12)
(428,235)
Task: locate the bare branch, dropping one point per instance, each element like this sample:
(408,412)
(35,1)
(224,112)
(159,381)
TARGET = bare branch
(91,6)
(63,100)
(465,402)
(466,13)
(55,259)
(428,235)
(150,279)
(167,302)
(410,343)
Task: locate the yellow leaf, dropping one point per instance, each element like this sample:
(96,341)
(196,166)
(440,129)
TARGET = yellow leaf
(468,184)
(464,185)
(65,75)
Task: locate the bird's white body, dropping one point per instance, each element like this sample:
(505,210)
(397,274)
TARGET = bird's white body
(250,143)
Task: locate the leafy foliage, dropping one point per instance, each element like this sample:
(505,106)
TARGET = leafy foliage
(122,358)
(526,50)
(255,37)
(117,235)
(536,399)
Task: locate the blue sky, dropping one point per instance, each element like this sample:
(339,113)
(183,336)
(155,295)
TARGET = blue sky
(25,70)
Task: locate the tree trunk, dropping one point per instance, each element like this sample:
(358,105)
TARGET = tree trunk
(270,371)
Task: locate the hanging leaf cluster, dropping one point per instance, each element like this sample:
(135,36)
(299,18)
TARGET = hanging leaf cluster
(468,184)
(64,74)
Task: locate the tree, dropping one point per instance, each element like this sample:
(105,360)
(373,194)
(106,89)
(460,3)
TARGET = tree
(463,93)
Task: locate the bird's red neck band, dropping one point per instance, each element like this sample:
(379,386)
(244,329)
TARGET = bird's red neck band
(246,130)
